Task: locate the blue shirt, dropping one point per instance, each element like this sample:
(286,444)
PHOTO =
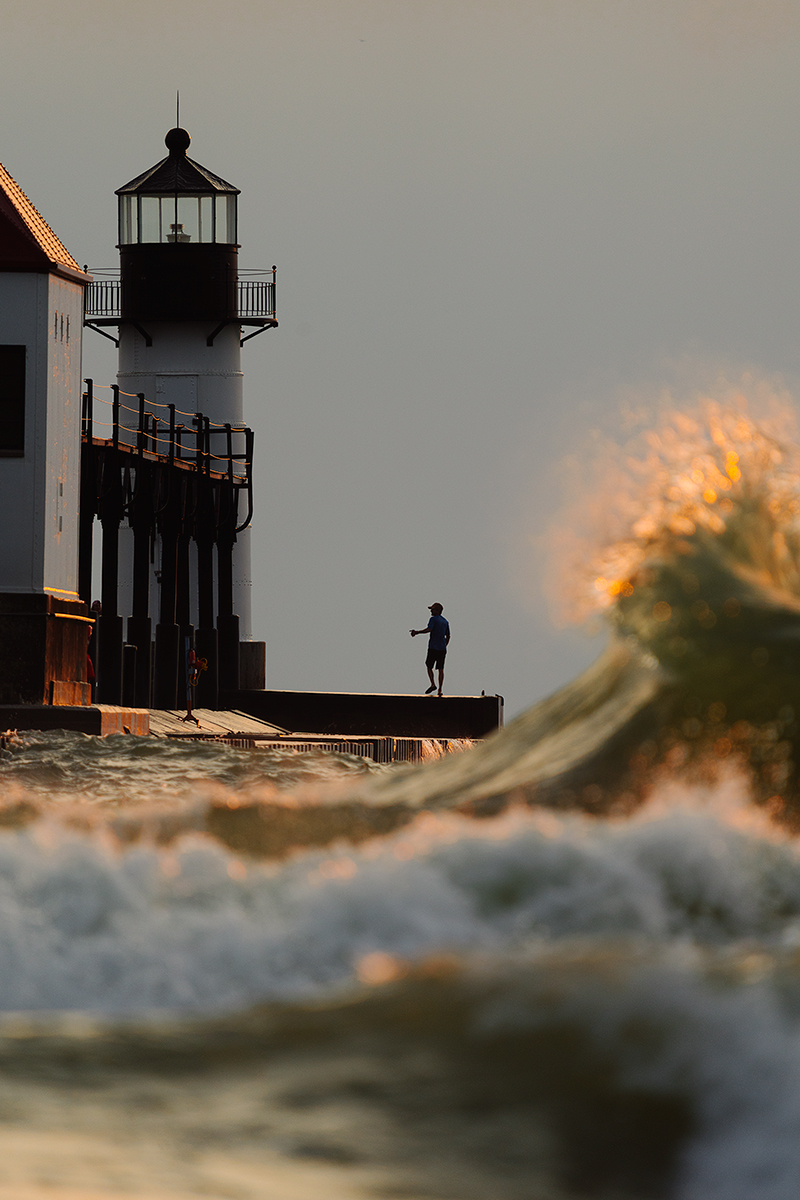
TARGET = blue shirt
(439,631)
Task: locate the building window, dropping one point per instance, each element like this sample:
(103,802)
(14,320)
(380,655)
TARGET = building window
(12,401)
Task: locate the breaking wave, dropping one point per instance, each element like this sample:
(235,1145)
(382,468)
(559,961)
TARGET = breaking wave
(564,963)
(693,560)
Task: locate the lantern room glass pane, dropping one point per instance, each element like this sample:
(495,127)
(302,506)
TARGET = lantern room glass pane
(152,224)
(188,219)
(206,230)
(128,220)
(226,219)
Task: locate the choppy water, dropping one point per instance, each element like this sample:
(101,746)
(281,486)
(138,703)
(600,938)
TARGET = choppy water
(563,964)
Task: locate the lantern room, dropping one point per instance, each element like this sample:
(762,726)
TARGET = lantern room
(178,241)
(177,201)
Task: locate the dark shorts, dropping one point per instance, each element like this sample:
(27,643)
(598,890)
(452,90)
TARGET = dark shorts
(435,659)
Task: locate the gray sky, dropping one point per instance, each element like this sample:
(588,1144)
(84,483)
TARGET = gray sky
(492,221)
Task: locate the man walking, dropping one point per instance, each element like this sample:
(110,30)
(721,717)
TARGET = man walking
(439,630)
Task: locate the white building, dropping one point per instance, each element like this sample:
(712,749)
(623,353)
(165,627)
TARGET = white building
(42,621)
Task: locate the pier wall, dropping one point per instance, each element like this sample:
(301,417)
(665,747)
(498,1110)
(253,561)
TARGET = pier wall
(379,714)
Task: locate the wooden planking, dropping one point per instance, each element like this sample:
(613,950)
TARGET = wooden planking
(183,464)
(168,722)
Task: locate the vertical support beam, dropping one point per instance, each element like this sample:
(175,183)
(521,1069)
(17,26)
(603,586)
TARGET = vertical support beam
(88,412)
(115,416)
(88,499)
(109,667)
(129,657)
(140,627)
(227,629)
(171,435)
(206,643)
(184,614)
(167,656)
(227,620)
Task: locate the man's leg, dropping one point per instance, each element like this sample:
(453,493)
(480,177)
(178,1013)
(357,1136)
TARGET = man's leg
(441,679)
(432,688)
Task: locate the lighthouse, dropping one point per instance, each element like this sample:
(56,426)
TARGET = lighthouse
(181,311)
(43,623)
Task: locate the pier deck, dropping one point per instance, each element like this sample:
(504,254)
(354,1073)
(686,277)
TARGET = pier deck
(418,727)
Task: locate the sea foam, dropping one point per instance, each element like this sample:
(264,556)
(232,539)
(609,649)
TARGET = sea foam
(87,925)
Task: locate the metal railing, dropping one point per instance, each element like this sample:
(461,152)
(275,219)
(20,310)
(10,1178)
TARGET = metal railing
(137,430)
(103,298)
(255,295)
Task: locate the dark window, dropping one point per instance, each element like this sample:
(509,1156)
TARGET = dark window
(12,401)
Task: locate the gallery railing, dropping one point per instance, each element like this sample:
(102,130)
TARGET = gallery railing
(255,294)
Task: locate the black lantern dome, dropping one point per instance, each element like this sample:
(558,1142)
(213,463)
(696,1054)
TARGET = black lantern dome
(178,240)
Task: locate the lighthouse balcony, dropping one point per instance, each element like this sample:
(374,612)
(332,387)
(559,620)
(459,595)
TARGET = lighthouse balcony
(106,305)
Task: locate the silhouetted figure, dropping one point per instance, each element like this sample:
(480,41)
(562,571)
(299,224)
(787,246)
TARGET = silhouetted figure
(89,663)
(439,630)
(91,652)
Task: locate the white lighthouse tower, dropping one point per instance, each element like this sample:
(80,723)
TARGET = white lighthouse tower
(43,623)
(181,311)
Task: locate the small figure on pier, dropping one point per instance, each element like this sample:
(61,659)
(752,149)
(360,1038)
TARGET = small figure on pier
(90,675)
(439,630)
(96,611)
(194,666)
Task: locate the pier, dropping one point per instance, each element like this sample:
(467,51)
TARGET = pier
(163,460)
(183,478)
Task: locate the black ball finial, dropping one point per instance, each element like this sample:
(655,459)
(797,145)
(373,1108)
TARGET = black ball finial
(177,141)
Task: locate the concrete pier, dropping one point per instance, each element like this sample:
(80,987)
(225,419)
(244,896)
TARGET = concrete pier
(380,714)
(99,719)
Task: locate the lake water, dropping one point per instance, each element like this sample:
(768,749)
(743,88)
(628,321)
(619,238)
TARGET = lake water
(564,963)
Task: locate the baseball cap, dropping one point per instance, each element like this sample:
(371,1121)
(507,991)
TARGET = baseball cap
(431,607)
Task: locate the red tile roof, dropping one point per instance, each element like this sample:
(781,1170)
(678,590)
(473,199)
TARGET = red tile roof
(25,236)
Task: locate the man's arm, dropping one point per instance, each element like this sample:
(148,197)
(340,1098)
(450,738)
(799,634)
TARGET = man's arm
(414,632)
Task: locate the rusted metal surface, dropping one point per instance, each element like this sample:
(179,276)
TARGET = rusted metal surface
(99,719)
(44,642)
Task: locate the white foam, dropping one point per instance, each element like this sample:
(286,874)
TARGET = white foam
(85,926)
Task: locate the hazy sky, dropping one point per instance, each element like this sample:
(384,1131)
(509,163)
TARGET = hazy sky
(492,220)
